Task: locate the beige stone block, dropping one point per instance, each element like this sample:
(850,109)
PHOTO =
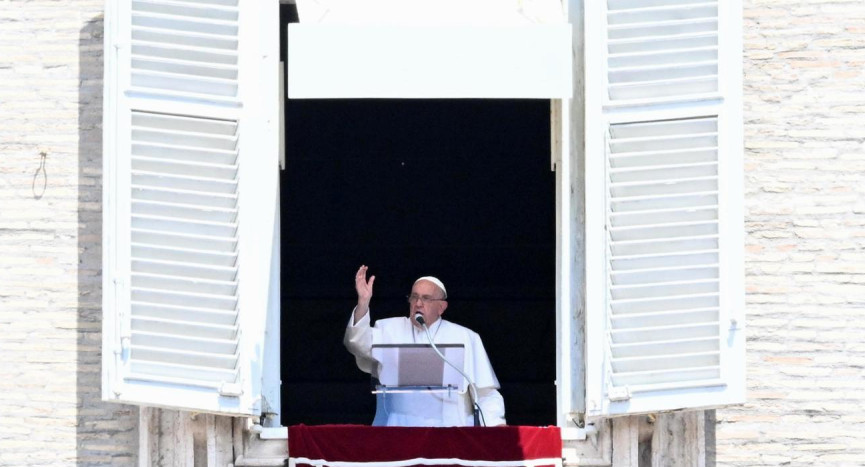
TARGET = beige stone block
(821,447)
(788,360)
(770,257)
(764,299)
(729,434)
(822,210)
(819,233)
(771,459)
(795,267)
(805,222)
(753,418)
(812,396)
(814,346)
(851,459)
(756,347)
(750,144)
(736,456)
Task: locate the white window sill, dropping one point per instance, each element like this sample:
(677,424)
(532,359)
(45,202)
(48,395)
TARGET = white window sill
(280,432)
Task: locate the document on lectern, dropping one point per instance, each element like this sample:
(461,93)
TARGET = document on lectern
(417,368)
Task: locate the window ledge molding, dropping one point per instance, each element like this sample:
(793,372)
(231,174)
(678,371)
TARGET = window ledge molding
(591,446)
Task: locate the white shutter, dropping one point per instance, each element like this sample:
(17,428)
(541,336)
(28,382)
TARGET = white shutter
(664,206)
(190,157)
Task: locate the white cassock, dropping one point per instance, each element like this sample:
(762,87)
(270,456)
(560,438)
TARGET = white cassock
(428,409)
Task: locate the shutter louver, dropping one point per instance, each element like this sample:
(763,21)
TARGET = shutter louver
(185,49)
(665,298)
(185,195)
(184,207)
(663,258)
(661,49)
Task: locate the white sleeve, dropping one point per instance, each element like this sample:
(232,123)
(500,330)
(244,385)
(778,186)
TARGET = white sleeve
(358,341)
(492,406)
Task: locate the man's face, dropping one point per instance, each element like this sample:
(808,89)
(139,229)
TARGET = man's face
(426,299)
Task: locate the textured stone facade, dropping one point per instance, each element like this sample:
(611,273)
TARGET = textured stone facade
(50,248)
(805,219)
(805,246)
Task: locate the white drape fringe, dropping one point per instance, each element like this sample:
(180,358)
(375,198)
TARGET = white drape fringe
(293,461)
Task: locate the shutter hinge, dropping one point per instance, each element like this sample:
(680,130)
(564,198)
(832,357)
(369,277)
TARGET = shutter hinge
(734,324)
(230,389)
(619,394)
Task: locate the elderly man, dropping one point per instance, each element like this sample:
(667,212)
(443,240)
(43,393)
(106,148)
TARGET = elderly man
(429,299)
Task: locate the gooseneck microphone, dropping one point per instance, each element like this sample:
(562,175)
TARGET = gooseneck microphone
(473,392)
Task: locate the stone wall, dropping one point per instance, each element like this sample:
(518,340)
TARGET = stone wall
(50,248)
(805,219)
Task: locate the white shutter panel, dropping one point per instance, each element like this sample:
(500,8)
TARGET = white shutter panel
(186,285)
(664,206)
(661,49)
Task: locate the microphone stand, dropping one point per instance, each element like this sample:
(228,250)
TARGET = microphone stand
(473,392)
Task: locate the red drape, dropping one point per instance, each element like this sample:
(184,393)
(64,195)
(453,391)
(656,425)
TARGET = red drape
(347,445)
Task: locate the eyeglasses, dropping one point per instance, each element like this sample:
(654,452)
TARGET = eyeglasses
(413,298)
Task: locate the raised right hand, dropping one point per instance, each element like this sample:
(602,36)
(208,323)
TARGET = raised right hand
(362,286)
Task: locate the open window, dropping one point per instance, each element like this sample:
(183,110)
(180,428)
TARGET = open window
(648,160)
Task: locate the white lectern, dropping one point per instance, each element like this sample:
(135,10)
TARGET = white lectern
(405,368)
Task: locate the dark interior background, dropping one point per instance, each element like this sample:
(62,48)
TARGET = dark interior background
(459,189)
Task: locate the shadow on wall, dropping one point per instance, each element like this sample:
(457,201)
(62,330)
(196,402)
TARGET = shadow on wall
(106,433)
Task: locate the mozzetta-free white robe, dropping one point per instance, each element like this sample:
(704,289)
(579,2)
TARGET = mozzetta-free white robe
(424,409)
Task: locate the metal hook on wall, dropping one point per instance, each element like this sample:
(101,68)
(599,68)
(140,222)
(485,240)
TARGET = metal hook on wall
(41,191)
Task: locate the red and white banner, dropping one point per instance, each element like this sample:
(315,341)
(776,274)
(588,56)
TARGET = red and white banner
(365,446)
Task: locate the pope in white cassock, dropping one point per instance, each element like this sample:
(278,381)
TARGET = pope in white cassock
(429,299)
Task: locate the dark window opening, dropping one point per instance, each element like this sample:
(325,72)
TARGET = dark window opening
(459,189)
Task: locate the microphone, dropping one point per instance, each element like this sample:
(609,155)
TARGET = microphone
(476,409)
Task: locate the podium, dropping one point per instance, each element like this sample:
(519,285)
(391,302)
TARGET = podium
(416,368)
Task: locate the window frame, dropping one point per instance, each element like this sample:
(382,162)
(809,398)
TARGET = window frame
(576,244)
